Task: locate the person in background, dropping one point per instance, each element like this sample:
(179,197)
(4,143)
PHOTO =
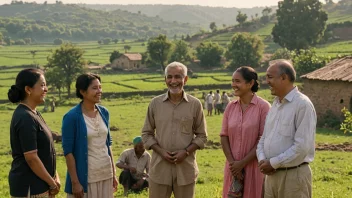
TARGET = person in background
(242,127)
(225,99)
(174,128)
(33,169)
(288,143)
(135,164)
(217,102)
(86,144)
(210,100)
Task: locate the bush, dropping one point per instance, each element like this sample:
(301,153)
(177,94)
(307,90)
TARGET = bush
(329,120)
(20,42)
(346,125)
(58,41)
(307,61)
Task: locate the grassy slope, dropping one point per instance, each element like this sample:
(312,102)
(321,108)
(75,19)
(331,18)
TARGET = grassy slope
(343,47)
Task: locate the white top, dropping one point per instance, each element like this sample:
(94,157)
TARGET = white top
(99,161)
(225,98)
(209,99)
(289,133)
(217,98)
(128,157)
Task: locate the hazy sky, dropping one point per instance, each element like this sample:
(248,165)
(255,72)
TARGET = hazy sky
(221,3)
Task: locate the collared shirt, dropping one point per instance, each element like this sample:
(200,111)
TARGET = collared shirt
(174,127)
(128,157)
(217,98)
(289,132)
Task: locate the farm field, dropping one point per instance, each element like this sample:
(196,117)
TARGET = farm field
(332,170)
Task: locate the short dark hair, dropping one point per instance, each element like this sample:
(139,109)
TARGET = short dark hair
(83,81)
(286,67)
(26,77)
(249,74)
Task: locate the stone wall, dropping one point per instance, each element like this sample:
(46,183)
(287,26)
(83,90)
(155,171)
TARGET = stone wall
(333,95)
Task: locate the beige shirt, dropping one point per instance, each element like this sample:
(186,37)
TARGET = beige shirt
(289,133)
(174,127)
(99,161)
(128,157)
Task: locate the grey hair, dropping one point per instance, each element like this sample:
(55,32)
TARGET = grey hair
(285,67)
(176,64)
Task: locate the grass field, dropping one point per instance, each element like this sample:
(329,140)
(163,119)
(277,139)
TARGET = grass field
(332,170)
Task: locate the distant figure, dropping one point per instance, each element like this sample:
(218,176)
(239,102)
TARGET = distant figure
(242,127)
(209,100)
(204,95)
(217,102)
(174,128)
(52,105)
(225,99)
(288,142)
(135,162)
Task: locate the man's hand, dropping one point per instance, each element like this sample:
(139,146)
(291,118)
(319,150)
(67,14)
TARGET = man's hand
(168,156)
(179,156)
(132,169)
(265,167)
(236,167)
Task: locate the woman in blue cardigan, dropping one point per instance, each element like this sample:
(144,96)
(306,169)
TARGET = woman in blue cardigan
(86,143)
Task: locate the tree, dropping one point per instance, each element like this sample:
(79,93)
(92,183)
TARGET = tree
(116,41)
(245,50)
(107,41)
(127,48)
(55,78)
(300,24)
(114,55)
(213,27)
(58,41)
(69,60)
(181,51)
(266,15)
(1,37)
(209,54)
(308,60)
(241,18)
(159,49)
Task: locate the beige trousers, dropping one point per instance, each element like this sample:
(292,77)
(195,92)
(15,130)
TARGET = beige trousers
(164,191)
(293,183)
(100,189)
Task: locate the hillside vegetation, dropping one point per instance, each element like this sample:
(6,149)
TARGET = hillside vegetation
(193,14)
(50,21)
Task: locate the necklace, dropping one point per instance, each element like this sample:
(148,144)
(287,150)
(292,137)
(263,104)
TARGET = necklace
(94,121)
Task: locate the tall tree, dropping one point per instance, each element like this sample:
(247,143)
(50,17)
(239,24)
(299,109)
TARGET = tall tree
(209,54)
(241,18)
(1,37)
(245,49)
(212,26)
(114,55)
(181,51)
(127,48)
(69,60)
(300,24)
(159,49)
(55,78)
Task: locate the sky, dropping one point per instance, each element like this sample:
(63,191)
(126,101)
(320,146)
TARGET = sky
(218,3)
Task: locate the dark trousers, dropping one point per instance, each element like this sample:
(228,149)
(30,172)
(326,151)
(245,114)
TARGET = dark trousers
(126,179)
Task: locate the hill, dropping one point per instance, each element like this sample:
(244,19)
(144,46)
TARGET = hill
(337,17)
(45,22)
(193,14)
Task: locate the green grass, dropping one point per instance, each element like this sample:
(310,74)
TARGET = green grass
(331,170)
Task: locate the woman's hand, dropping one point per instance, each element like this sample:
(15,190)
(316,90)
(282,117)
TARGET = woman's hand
(236,167)
(77,190)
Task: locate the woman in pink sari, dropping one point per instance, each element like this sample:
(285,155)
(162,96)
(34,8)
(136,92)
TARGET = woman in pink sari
(242,127)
